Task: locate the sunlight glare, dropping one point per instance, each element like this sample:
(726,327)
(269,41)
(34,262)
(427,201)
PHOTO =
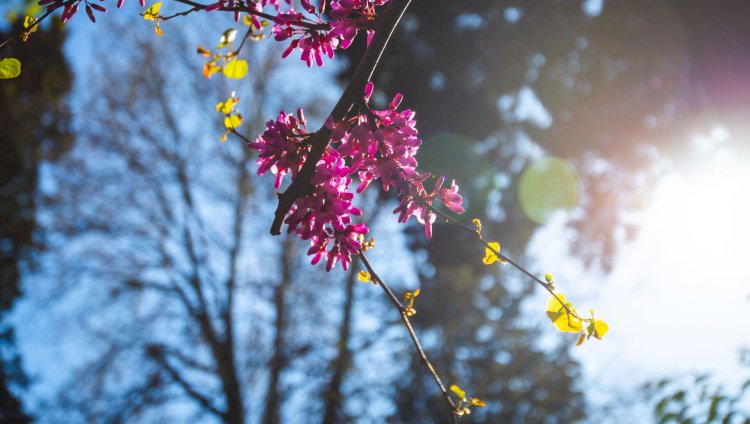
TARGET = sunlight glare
(704,214)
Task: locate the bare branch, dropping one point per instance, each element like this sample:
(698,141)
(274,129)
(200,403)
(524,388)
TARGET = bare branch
(156,352)
(405,318)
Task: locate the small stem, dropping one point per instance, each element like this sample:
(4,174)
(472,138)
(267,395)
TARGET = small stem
(238,134)
(36,24)
(405,318)
(473,231)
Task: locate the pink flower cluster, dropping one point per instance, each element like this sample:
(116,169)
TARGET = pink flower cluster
(376,144)
(70,8)
(282,146)
(308,31)
(316,38)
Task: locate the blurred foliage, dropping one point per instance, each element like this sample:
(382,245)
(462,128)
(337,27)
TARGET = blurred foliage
(612,90)
(624,85)
(698,399)
(33,130)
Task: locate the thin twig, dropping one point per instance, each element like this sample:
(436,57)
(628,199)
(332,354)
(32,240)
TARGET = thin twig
(405,318)
(238,134)
(547,286)
(195,6)
(36,24)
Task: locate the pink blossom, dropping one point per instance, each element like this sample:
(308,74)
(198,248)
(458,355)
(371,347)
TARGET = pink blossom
(317,38)
(451,199)
(373,144)
(281,148)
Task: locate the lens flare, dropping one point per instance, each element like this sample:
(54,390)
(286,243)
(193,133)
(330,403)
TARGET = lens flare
(548,185)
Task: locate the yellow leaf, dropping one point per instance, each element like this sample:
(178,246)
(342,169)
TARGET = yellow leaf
(597,328)
(478,402)
(490,257)
(152,12)
(235,69)
(232,122)
(210,68)
(581,339)
(410,296)
(224,136)
(9,68)
(477,224)
(560,317)
(458,391)
(227,106)
(30,22)
(204,51)
(364,276)
(158,30)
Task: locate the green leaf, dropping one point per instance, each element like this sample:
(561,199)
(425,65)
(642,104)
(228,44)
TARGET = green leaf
(713,409)
(10,68)
(235,69)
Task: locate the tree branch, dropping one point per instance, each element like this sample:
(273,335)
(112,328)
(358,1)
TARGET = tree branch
(405,318)
(547,286)
(242,8)
(302,185)
(30,28)
(157,354)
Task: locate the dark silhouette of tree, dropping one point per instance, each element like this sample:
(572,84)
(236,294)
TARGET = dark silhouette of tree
(334,394)
(33,130)
(624,86)
(618,85)
(156,222)
(159,257)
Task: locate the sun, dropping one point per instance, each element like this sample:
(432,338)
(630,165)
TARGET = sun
(702,211)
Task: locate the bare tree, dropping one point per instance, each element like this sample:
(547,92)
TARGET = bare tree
(155,246)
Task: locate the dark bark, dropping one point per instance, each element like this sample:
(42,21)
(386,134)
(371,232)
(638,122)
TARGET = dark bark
(33,129)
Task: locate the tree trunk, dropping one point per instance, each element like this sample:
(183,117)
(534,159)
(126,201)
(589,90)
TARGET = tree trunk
(272,411)
(342,362)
